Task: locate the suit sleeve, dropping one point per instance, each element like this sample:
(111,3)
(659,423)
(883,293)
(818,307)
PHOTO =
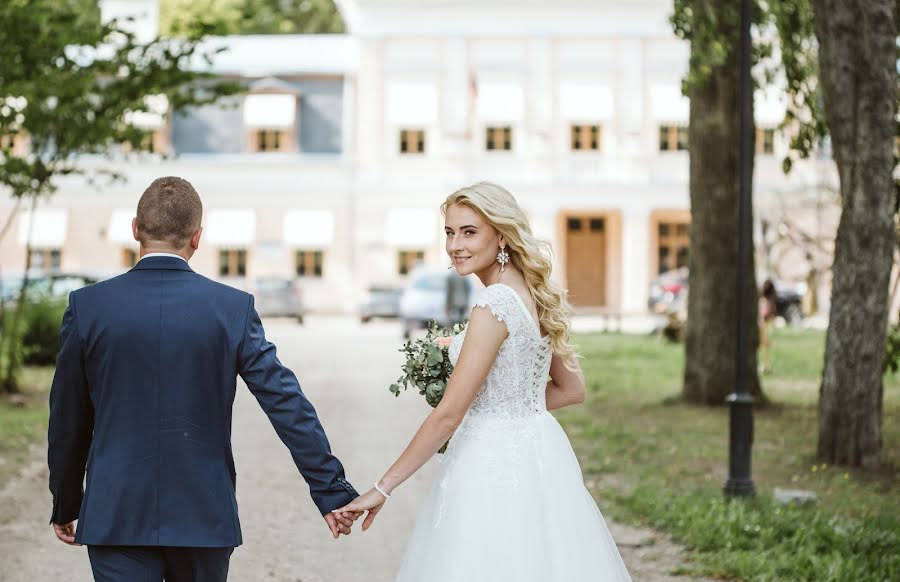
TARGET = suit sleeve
(71,422)
(292,415)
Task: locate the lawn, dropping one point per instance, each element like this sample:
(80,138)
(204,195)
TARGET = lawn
(651,459)
(24,424)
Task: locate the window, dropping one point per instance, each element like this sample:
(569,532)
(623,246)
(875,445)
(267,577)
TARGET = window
(673,138)
(498,138)
(269,140)
(585,137)
(157,142)
(232,262)
(406,260)
(674,242)
(154,142)
(412,141)
(308,263)
(12,141)
(46,259)
(765,141)
(129,258)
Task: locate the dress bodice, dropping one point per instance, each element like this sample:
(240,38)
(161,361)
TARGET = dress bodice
(516,384)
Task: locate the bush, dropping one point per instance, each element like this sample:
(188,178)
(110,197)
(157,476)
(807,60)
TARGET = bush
(40,337)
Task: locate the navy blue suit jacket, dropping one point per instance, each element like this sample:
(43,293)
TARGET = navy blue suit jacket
(142,400)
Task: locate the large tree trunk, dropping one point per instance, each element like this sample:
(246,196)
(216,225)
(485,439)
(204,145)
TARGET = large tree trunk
(857,54)
(711,338)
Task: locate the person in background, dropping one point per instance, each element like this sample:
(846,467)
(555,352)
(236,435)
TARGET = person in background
(767,311)
(457,304)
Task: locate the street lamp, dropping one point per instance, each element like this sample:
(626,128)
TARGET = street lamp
(740,482)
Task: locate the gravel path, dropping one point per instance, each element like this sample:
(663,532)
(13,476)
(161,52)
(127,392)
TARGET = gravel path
(345,369)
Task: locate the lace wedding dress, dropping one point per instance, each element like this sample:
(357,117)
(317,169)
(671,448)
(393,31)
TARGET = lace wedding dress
(510,504)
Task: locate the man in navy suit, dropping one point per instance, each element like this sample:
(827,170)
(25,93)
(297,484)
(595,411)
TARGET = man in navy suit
(142,401)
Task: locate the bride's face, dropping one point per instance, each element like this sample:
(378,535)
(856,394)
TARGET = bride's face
(472,244)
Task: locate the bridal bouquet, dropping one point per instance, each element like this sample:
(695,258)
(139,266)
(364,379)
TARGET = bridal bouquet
(427,365)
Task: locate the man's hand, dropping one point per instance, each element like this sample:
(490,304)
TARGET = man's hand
(371,501)
(339,524)
(65,533)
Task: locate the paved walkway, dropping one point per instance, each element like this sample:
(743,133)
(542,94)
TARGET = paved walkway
(345,369)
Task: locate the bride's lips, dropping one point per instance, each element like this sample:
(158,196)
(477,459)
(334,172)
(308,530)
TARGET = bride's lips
(460,260)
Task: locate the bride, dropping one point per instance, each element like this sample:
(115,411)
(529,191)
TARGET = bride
(510,503)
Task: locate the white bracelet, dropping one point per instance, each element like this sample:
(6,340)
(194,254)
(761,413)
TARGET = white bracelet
(380,490)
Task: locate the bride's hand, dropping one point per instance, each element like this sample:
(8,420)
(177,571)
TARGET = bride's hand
(371,501)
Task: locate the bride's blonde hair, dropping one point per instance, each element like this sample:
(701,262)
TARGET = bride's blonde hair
(527,253)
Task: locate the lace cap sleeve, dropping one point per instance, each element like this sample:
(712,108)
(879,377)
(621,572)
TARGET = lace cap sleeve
(502,304)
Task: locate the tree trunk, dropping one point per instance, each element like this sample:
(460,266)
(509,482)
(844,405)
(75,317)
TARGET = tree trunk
(857,53)
(713,136)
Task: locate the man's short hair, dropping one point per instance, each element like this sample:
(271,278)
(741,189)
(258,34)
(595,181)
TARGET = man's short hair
(169,211)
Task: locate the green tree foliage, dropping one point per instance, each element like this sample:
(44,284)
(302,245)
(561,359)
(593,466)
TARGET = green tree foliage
(68,84)
(784,46)
(224,17)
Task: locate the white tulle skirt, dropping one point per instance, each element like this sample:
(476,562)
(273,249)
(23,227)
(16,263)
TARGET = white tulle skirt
(510,506)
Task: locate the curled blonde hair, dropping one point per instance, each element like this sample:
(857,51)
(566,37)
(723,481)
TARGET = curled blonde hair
(529,254)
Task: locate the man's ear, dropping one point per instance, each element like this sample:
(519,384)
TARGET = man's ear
(195,238)
(134,229)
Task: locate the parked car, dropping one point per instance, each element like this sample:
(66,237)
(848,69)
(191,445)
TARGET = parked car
(46,286)
(425,298)
(278,297)
(669,290)
(380,301)
(9,287)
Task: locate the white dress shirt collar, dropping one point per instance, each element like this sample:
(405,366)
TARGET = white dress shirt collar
(163,255)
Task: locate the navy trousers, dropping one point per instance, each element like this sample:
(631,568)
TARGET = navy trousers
(155,564)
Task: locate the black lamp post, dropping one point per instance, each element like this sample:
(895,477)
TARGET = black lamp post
(740,482)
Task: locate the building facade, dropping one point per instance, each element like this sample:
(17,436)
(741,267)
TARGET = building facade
(331,168)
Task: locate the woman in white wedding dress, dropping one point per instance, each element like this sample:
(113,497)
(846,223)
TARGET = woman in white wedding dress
(510,504)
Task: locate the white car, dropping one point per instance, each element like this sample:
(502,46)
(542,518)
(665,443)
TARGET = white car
(424,298)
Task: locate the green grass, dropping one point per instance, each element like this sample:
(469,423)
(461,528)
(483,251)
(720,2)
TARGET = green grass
(25,424)
(652,459)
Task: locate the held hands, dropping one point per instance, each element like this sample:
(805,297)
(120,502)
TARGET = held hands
(340,523)
(371,501)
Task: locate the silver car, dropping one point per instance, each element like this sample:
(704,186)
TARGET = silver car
(424,298)
(380,301)
(278,297)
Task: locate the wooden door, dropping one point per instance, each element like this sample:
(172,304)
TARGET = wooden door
(586,260)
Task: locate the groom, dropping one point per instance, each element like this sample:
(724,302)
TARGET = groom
(142,399)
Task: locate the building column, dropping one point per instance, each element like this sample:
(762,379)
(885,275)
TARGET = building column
(630,96)
(539,104)
(369,124)
(635,259)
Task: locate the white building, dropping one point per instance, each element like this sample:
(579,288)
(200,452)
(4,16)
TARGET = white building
(333,165)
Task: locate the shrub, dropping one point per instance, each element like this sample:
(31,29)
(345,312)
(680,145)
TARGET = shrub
(40,340)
